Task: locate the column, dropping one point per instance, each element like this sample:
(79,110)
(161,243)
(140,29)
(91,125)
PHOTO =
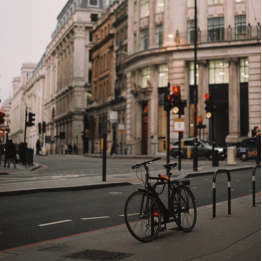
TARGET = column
(234,102)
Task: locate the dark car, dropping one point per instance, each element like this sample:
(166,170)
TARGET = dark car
(247,149)
(204,149)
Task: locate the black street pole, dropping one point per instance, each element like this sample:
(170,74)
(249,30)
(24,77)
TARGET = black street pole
(213,142)
(104,157)
(195,90)
(168,132)
(25,124)
(179,148)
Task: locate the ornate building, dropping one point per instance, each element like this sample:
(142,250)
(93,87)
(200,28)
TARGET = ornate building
(68,72)
(161,50)
(108,82)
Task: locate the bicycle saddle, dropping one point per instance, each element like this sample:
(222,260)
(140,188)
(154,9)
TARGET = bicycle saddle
(170,165)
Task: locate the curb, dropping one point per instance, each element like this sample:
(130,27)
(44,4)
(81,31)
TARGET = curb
(60,189)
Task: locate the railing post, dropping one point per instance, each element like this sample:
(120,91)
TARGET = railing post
(214,191)
(254,184)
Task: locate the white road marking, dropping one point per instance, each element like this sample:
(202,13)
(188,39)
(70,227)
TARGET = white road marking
(53,223)
(135,214)
(95,218)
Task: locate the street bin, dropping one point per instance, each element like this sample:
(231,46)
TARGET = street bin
(231,155)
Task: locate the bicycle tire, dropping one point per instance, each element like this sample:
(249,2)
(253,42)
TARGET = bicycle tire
(184,208)
(138,222)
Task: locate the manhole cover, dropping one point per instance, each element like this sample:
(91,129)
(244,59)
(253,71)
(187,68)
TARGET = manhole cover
(99,255)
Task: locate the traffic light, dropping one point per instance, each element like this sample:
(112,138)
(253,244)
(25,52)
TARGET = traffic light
(208,107)
(199,120)
(176,99)
(44,127)
(31,119)
(2,115)
(39,127)
(167,102)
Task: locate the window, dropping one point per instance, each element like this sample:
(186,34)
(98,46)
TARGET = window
(237,1)
(240,27)
(218,71)
(160,6)
(244,70)
(190,31)
(215,2)
(145,75)
(144,8)
(144,39)
(216,29)
(94,17)
(191,73)
(162,75)
(93,2)
(159,35)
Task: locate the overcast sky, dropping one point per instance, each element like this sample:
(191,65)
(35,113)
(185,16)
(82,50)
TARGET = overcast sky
(25,31)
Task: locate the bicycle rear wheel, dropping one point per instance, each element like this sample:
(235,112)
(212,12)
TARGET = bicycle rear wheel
(184,208)
(142,222)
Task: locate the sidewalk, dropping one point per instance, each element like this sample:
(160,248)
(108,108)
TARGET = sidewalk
(34,183)
(235,237)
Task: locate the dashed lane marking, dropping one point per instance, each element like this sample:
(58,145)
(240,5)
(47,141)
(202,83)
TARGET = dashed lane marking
(54,223)
(94,218)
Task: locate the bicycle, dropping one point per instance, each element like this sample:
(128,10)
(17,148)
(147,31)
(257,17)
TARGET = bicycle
(145,212)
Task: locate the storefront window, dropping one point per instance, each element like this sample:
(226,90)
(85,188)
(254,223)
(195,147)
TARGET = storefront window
(218,71)
(162,75)
(191,73)
(244,70)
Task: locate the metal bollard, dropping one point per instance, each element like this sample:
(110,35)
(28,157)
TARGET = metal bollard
(254,184)
(228,189)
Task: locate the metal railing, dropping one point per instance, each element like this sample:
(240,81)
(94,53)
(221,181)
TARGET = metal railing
(222,34)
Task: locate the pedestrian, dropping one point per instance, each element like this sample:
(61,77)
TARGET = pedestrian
(38,147)
(75,149)
(7,152)
(12,153)
(70,149)
(61,148)
(258,146)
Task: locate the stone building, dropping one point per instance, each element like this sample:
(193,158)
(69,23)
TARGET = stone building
(68,73)
(5,127)
(161,50)
(19,104)
(106,111)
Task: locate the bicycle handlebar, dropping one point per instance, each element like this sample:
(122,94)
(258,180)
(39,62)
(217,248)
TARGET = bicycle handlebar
(144,163)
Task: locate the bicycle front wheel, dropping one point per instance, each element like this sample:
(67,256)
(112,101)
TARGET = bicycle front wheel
(184,208)
(142,216)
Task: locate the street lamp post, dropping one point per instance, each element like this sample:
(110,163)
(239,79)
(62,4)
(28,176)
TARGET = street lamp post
(195,91)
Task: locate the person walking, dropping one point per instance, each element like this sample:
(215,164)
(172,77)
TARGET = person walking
(38,147)
(7,152)
(75,149)
(12,153)
(258,146)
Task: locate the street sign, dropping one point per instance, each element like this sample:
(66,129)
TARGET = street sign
(179,124)
(113,116)
(121,128)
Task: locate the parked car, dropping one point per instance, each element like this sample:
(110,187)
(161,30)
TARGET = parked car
(247,149)
(204,149)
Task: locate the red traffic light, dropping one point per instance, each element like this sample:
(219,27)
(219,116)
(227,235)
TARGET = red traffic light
(169,97)
(199,119)
(207,96)
(175,89)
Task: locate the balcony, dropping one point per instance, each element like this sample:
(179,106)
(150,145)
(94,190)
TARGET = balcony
(240,33)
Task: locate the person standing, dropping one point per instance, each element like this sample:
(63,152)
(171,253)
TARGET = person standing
(258,146)
(7,152)
(12,153)
(38,147)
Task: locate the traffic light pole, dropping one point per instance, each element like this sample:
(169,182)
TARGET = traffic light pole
(195,90)
(25,124)
(179,147)
(213,141)
(168,132)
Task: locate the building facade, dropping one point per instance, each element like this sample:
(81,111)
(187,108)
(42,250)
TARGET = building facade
(106,111)
(161,50)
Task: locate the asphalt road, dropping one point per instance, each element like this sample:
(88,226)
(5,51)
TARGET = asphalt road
(27,219)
